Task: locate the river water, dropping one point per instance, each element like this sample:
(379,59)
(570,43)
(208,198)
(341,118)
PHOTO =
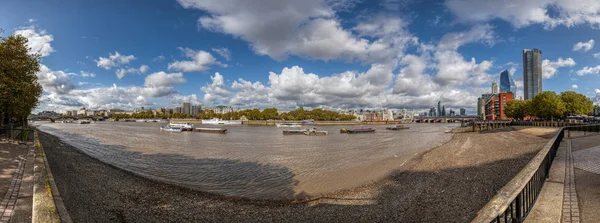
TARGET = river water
(252,161)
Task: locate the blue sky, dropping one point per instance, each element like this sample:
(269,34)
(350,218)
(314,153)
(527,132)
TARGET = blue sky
(286,53)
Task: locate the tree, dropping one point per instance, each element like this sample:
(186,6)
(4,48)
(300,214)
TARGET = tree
(19,89)
(516,109)
(576,103)
(547,105)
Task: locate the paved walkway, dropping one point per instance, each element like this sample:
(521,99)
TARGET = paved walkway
(13,159)
(586,160)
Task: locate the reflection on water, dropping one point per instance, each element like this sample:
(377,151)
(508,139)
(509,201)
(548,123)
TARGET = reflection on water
(252,161)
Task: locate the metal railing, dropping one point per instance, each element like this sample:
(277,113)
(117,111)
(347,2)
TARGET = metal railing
(513,202)
(17,134)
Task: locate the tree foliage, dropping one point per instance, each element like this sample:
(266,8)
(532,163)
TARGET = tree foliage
(576,103)
(547,105)
(18,81)
(517,109)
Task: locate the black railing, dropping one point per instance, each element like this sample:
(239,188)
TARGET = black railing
(17,134)
(513,202)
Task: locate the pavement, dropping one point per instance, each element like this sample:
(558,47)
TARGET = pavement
(14,180)
(572,191)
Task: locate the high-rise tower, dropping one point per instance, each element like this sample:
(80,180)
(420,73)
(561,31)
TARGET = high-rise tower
(507,84)
(495,89)
(532,72)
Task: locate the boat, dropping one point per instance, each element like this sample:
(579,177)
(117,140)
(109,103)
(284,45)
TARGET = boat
(308,122)
(141,120)
(315,132)
(217,121)
(211,130)
(183,126)
(171,128)
(287,125)
(84,122)
(397,127)
(353,131)
(294,131)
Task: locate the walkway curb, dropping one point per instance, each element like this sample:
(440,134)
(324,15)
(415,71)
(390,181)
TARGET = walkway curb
(48,205)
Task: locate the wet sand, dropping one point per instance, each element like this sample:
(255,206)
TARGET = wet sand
(447,184)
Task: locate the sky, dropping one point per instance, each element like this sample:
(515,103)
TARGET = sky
(331,54)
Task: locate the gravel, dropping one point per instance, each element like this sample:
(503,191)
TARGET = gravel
(448,184)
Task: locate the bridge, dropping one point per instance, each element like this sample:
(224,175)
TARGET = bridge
(446,119)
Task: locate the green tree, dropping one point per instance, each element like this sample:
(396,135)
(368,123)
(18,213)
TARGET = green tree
(517,109)
(18,81)
(576,103)
(547,105)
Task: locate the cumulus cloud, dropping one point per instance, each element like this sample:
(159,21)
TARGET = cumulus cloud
(308,29)
(162,79)
(38,40)
(87,74)
(574,87)
(550,13)
(56,82)
(588,70)
(216,91)
(224,52)
(452,68)
(584,46)
(114,60)
(201,62)
(550,68)
(121,72)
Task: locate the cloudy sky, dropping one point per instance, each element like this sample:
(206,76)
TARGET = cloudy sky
(312,53)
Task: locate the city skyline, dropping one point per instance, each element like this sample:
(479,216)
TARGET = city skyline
(383,58)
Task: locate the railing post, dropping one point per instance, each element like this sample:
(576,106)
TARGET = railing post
(519,208)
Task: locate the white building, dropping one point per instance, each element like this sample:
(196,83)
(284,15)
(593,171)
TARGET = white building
(222,109)
(81,112)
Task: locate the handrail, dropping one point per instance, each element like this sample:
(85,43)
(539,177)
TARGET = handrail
(516,198)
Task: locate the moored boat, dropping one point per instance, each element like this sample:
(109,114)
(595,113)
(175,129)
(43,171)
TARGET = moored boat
(397,127)
(294,131)
(85,122)
(363,130)
(211,130)
(171,129)
(217,121)
(181,125)
(315,132)
(287,125)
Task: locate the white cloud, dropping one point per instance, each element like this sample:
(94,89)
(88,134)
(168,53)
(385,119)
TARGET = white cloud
(550,13)
(121,72)
(216,91)
(224,52)
(114,60)
(588,70)
(56,82)
(452,68)
(201,62)
(32,20)
(574,87)
(158,58)
(38,40)
(587,46)
(550,68)
(162,79)
(87,74)
(308,29)
(596,55)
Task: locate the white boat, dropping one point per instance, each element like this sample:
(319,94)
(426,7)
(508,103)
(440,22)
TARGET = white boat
(141,120)
(171,129)
(84,122)
(185,125)
(217,121)
(287,125)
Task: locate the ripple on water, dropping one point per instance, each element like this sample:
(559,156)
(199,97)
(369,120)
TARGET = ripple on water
(251,161)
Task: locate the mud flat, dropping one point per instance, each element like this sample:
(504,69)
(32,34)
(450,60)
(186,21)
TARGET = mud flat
(449,183)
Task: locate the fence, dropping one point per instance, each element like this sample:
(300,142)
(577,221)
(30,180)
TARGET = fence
(514,201)
(17,133)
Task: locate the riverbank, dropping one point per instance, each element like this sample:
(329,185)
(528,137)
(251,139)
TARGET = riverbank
(449,183)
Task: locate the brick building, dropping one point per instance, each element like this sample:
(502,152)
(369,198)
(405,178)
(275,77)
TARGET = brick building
(494,108)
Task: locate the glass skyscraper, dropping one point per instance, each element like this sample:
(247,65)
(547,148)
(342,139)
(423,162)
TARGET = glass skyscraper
(507,84)
(532,72)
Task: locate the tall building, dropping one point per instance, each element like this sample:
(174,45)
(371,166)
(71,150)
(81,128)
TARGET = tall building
(507,84)
(495,89)
(463,112)
(439,109)
(432,112)
(532,72)
(187,109)
(443,111)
